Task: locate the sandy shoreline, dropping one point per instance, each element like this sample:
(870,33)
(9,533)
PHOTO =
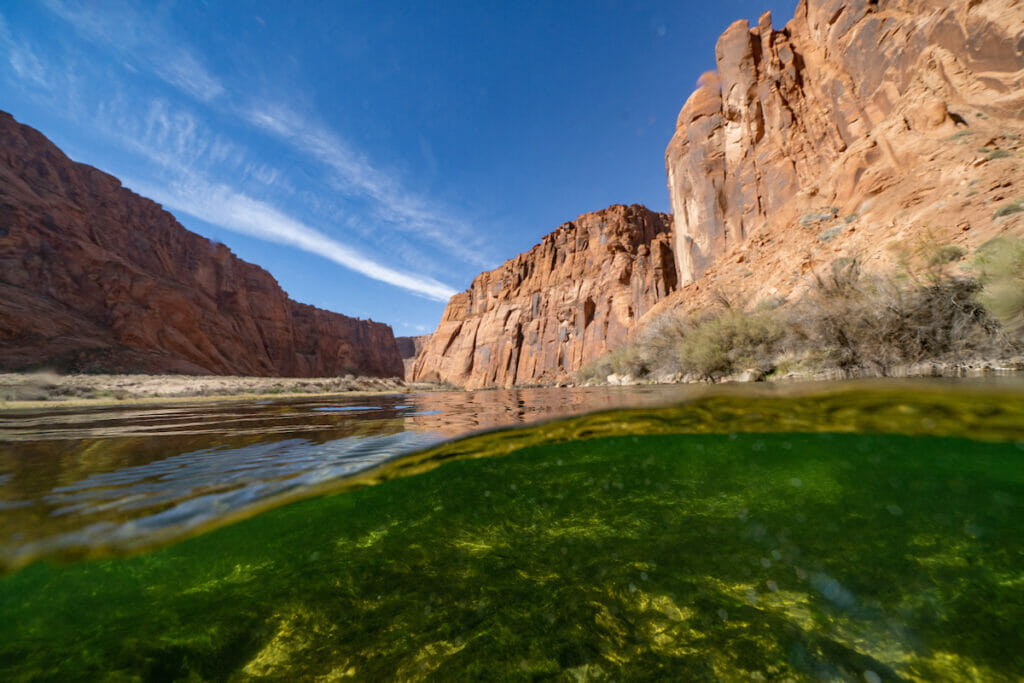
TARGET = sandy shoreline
(25,391)
(43,390)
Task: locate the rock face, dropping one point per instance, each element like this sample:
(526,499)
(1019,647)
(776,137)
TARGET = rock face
(542,315)
(874,119)
(94,277)
(409,348)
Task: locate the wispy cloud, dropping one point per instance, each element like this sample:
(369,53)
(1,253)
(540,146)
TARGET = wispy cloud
(209,174)
(181,146)
(184,71)
(121,27)
(23,61)
(353,174)
(220,205)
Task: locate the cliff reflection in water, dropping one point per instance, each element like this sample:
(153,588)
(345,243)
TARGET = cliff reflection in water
(79,481)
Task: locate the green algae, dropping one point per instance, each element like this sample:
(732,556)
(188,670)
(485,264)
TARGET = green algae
(70,497)
(582,556)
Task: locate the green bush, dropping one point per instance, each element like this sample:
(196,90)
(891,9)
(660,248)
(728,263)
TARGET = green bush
(730,342)
(997,154)
(830,234)
(947,253)
(625,360)
(1000,267)
(826,214)
(1013,207)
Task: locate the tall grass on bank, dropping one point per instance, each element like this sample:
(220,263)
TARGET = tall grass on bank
(849,320)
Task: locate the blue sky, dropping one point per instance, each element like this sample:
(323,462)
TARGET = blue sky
(374,157)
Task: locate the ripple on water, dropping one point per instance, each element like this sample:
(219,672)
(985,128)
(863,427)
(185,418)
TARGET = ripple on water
(117,479)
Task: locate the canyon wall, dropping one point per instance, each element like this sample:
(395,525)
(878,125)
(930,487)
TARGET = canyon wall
(863,128)
(859,124)
(409,348)
(542,315)
(96,278)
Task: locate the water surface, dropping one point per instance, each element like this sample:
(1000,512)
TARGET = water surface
(867,532)
(77,481)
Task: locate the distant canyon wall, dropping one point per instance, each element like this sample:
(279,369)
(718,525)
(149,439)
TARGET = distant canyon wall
(409,348)
(542,315)
(850,110)
(96,278)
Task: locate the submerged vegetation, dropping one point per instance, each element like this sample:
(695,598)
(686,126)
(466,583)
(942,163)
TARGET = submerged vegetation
(853,534)
(848,321)
(596,549)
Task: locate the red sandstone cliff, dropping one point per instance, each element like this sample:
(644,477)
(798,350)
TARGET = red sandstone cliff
(860,124)
(860,128)
(409,348)
(545,313)
(95,277)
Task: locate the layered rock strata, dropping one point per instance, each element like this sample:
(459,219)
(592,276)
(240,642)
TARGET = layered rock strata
(94,277)
(859,124)
(542,315)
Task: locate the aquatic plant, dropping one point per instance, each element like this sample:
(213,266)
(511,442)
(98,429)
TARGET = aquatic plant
(631,557)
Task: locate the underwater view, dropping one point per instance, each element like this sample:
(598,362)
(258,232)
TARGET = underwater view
(569,341)
(861,532)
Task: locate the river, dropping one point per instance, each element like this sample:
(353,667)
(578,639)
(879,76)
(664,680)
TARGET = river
(866,531)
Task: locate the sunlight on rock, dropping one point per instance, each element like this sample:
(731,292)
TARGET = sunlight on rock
(297,633)
(429,658)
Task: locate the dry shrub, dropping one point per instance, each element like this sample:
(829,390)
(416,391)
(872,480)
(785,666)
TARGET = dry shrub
(849,320)
(625,360)
(731,341)
(867,321)
(659,341)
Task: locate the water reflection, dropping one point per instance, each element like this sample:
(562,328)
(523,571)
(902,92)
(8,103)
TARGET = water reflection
(79,480)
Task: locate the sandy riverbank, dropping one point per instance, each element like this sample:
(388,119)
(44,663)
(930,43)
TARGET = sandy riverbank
(28,390)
